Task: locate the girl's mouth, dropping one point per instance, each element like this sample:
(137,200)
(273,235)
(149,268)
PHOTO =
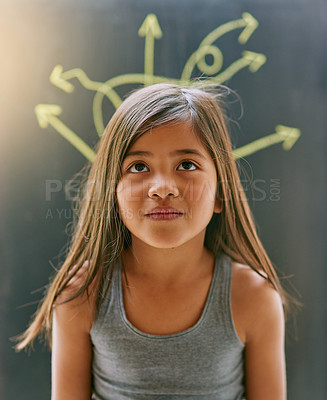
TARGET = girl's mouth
(164,214)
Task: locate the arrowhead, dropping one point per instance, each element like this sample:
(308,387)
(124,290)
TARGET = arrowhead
(45,111)
(290,135)
(57,79)
(150,25)
(256,60)
(251,25)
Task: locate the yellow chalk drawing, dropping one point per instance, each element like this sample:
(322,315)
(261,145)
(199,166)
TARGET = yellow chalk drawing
(249,59)
(284,134)
(151,30)
(248,22)
(47,114)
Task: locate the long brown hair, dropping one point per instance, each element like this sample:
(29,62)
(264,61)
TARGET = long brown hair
(99,236)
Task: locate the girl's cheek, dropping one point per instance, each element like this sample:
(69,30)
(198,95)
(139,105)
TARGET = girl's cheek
(204,189)
(129,190)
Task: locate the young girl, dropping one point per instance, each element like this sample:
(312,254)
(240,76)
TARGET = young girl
(167,291)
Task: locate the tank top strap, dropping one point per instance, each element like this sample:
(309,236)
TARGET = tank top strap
(224,279)
(108,290)
(222,309)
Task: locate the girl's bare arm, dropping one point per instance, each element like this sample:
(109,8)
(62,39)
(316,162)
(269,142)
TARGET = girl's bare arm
(71,346)
(260,311)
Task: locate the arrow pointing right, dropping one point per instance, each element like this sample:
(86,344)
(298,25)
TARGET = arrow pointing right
(284,134)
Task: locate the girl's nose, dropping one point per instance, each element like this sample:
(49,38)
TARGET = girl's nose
(163,188)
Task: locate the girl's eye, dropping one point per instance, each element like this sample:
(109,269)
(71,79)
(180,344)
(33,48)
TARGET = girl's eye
(187,166)
(138,167)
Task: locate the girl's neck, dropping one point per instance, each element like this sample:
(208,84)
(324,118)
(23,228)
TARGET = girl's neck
(168,266)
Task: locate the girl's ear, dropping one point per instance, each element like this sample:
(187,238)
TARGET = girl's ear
(218,206)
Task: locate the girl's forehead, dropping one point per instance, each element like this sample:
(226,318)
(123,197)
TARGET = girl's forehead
(169,137)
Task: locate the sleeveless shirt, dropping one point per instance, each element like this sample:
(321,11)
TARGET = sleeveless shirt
(204,362)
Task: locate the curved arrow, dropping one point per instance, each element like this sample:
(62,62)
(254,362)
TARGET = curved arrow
(150,29)
(60,79)
(248,22)
(249,59)
(284,134)
(46,114)
(117,81)
(198,57)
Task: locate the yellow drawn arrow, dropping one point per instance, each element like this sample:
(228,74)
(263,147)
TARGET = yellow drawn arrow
(248,22)
(57,78)
(251,25)
(249,59)
(46,114)
(60,79)
(198,58)
(284,134)
(150,29)
(117,81)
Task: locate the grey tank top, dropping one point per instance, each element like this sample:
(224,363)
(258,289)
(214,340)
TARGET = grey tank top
(205,361)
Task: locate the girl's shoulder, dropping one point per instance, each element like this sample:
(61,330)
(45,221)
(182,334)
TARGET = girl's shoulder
(80,309)
(254,300)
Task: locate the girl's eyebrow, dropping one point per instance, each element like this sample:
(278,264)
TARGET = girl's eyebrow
(173,153)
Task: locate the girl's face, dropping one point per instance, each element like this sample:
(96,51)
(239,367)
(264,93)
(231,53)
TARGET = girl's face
(167,191)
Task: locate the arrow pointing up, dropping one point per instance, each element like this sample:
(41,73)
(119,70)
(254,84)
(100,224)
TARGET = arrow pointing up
(150,29)
(150,26)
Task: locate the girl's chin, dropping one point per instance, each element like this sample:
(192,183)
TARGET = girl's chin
(162,242)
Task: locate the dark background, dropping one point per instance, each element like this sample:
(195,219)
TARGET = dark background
(101,38)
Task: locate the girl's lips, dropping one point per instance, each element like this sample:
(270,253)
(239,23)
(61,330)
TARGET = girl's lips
(164,214)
